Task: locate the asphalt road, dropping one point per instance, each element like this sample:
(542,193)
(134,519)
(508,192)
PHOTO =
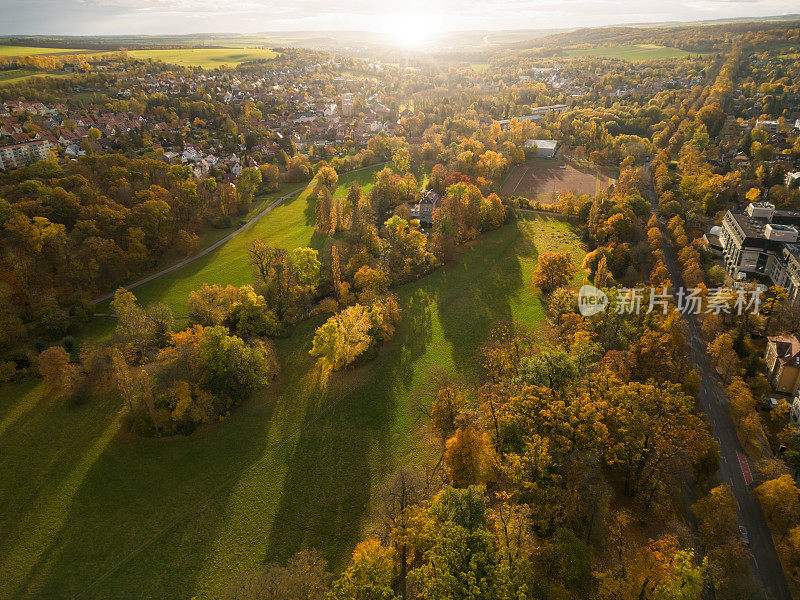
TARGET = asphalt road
(714,403)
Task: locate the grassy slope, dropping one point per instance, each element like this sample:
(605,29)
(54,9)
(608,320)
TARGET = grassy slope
(90,512)
(208,58)
(30,51)
(289,225)
(634,52)
(18,75)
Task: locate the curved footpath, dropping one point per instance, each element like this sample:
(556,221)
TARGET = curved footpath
(215,245)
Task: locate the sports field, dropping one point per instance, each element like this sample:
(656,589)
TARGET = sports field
(208,58)
(634,52)
(544,179)
(92,512)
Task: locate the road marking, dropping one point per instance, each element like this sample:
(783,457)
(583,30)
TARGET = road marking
(745,467)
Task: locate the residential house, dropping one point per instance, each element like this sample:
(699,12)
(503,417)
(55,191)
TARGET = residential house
(783,363)
(424,209)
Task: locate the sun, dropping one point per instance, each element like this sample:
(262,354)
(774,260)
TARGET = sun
(408,30)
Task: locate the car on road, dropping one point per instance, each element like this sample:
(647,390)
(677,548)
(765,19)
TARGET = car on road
(744,536)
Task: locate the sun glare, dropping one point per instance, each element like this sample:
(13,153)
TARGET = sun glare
(408,30)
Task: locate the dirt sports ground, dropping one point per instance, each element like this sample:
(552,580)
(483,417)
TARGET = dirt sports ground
(544,179)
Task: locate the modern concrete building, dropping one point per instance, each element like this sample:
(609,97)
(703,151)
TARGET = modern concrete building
(545,148)
(763,241)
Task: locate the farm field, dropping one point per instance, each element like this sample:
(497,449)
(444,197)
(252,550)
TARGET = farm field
(543,179)
(208,58)
(17,75)
(31,51)
(91,512)
(633,52)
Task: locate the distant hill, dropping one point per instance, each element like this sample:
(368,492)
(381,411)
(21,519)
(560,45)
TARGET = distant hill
(459,41)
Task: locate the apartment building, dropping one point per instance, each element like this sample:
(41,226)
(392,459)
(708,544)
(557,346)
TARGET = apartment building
(19,155)
(763,241)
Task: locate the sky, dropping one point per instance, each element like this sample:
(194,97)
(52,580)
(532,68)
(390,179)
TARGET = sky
(416,17)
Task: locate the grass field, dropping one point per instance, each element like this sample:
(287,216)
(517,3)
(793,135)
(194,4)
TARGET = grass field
(91,512)
(17,75)
(208,58)
(634,52)
(289,226)
(544,179)
(30,51)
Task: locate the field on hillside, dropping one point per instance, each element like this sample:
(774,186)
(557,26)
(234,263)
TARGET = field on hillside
(544,179)
(17,75)
(92,512)
(30,51)
(633,52)
(208,58)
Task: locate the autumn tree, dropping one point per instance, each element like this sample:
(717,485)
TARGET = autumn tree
(780,499)
(57,370)
(468,456)
(369,576)
(555,270)
(304,577)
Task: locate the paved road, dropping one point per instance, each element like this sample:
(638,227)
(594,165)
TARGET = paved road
(216,245)
(715,404)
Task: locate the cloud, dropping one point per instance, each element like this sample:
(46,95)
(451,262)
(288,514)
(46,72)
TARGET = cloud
(96,17)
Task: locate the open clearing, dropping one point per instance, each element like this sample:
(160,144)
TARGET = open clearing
(633,52)
(290,225)
(91,512)
(31,51)
(17,75)
(208,58)
(544,179)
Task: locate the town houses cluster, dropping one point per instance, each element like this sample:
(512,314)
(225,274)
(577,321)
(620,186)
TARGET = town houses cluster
(242,118)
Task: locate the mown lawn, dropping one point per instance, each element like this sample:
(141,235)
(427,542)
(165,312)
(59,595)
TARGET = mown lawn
(91,512)
(632,52)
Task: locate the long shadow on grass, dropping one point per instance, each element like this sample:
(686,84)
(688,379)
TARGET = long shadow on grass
(148,510)
(347,441)
(475,293)
(327,489)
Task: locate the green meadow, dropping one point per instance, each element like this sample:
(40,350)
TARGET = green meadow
(289,225)
(208,58)
(90,511)
(634,52)
(31,51)
(18,75)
